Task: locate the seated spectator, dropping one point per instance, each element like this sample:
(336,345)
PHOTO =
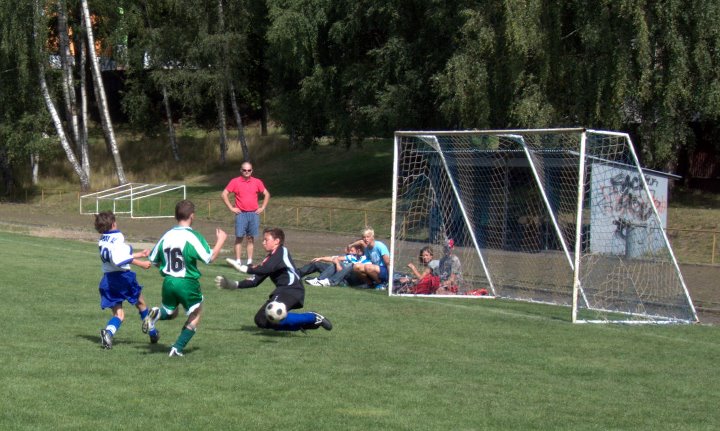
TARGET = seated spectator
(375,273)
(425,282)
(342,267)
(450,271)
(318,264)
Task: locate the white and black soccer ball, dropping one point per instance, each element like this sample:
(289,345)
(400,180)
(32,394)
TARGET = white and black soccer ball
(275,311)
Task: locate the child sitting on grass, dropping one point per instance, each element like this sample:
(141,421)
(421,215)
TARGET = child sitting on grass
(425,282)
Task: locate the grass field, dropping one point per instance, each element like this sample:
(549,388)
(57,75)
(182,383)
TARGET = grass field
(389,363)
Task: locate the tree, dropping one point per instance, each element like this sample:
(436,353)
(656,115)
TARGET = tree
(231,65)
(39,23)
(100,96)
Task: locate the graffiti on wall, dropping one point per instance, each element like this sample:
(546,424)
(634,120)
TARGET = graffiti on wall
(620,204)
(623,197)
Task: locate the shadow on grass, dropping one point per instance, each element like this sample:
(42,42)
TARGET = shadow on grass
(271,333)
(95,339)
(150,348)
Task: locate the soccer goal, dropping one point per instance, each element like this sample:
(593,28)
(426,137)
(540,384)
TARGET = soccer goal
(135,199)
(558,216)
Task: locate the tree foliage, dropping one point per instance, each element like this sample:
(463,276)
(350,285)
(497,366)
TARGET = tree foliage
(352,69)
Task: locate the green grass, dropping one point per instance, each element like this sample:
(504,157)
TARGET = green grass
(389,363)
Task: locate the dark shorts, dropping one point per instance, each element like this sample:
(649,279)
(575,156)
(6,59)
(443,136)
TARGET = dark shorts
(292,298)
(247,224)
(116,287)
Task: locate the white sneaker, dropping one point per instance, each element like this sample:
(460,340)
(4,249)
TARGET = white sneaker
(323,282)
(312,281)
(223,283)
(235,264)
(175,352)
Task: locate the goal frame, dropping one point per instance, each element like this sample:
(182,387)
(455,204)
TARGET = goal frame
(131,193)
(573,257)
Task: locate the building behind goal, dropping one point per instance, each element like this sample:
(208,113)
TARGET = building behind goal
(559,216)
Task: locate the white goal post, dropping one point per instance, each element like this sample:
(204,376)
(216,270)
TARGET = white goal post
(137,200)
(559,216)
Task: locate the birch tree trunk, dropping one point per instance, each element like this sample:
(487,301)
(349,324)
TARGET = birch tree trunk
(238,121)
(100,95)
(57,122)
(84,150)
(68,86)
(171,126)
(224,76)
(35,168)
(222,127)
(263,113)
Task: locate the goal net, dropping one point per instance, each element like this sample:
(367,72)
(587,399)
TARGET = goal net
(137,200)
(559,216)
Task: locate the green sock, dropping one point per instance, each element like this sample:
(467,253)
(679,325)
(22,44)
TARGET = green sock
(183,339)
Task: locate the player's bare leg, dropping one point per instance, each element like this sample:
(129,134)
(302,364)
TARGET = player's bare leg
(238,248)
(250,248)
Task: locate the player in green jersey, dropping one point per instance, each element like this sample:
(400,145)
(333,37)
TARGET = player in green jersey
(176,254)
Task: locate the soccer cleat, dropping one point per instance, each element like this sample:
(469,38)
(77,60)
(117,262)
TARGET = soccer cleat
(322,322)
(106,338)
(312,281)
(149,320)
(175,352)
(381,286)
(236,264)
(223,283)
(154,336)
(324,282)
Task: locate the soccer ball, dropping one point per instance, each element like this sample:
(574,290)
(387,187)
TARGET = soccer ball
(275,311)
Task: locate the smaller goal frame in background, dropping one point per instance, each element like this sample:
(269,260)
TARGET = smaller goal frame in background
(125,199)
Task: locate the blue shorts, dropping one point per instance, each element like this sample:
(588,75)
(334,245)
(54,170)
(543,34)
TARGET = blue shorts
(247,224)
(116,287)
(383,274)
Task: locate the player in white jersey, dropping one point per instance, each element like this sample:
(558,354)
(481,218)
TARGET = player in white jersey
(176,254)
(119,283)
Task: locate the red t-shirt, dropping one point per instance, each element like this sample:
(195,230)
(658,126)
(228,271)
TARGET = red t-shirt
(246,192)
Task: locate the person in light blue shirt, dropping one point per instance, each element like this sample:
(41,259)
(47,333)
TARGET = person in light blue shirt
(374,273)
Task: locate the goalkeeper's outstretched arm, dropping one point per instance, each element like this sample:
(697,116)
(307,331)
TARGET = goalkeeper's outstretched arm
(251,282)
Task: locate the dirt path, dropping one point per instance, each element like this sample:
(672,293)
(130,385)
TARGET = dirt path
(702,280)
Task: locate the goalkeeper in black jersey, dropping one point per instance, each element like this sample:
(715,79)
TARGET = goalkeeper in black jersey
(279,266)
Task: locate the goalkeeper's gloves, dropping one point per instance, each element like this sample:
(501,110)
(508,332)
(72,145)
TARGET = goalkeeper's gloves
(243,268)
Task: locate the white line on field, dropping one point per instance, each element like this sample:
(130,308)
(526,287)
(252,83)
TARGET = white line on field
(45,247)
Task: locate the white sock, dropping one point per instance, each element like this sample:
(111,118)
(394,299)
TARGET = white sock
(249,261)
